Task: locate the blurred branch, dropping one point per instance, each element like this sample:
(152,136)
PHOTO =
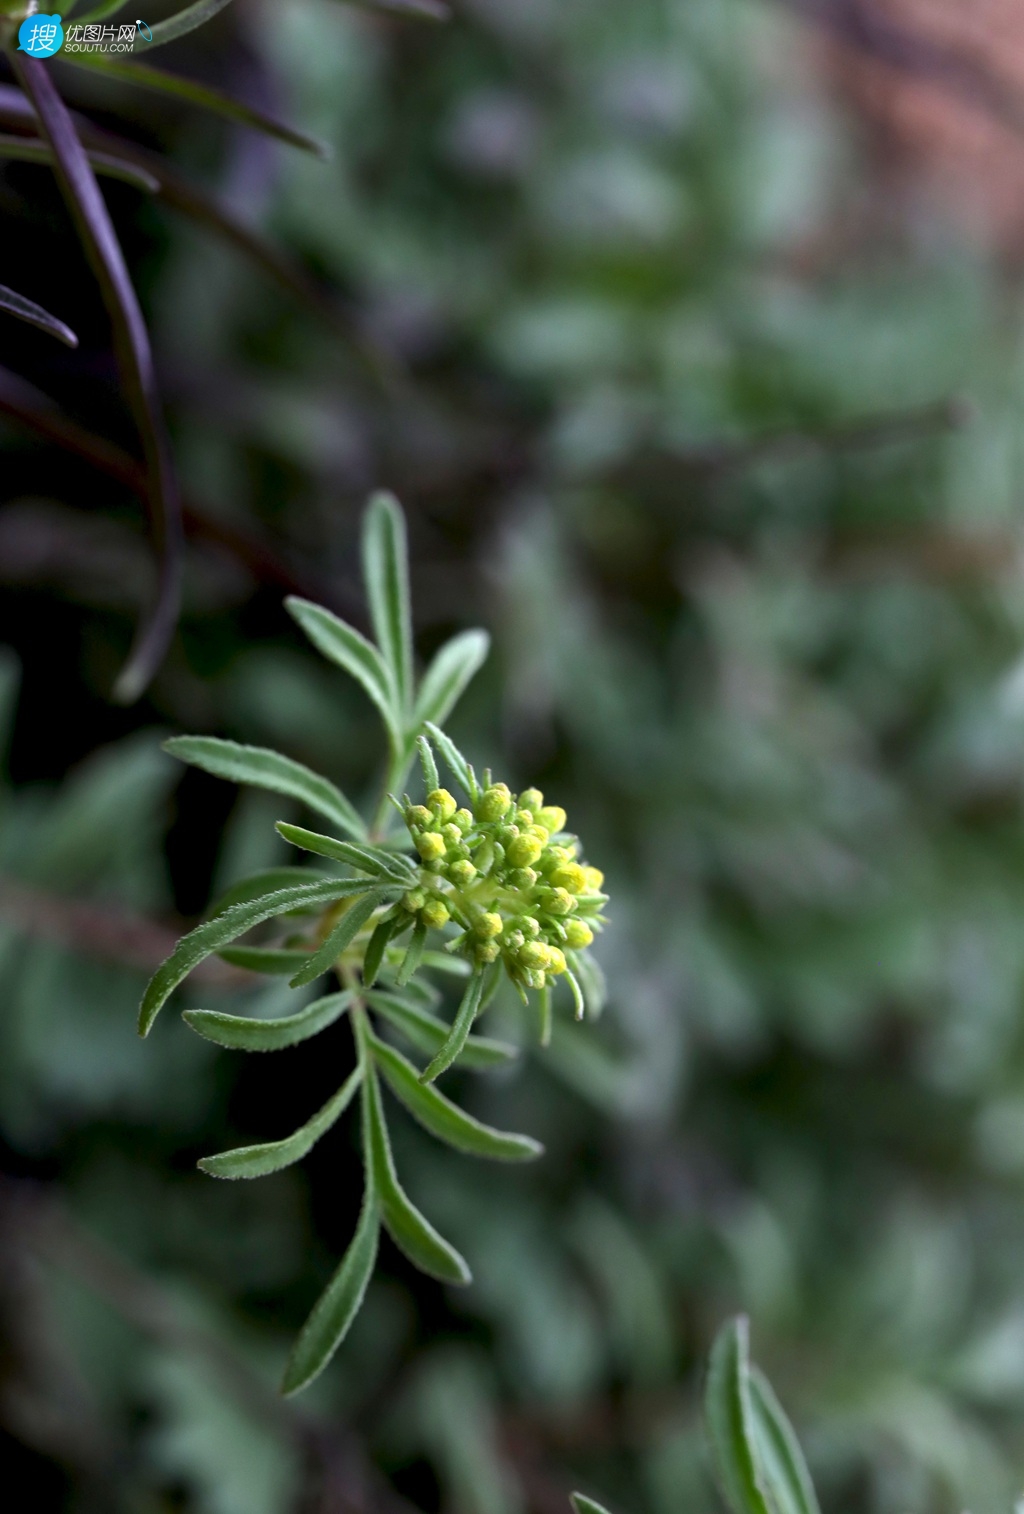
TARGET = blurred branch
(857,25)
(101,930)
(22,403)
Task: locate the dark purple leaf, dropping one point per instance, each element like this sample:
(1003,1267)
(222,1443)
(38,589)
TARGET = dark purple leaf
(135,360)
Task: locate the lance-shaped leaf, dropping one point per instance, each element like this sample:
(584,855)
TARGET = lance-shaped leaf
(344,933)
(227,927)
(431,779)
(279,960)
(785,1472)
(144,76)
(28,150)
(410,1230)
(258,1161)
(368,859)
(446,1120)
(413,955)
(270,881)
(261,768)
(446,679)
(185,21)
(360,658)
(135,362)
(241,1034)
(459,1034)
(386,574)
(428,1034)
(339,1303)
(584,1505)
(455,760)
(34,315)
(729,1415)
(373,957)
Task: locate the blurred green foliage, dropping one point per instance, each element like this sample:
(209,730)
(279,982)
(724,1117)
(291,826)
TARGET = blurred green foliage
(664,384)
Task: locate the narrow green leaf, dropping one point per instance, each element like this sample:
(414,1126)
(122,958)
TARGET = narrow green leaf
(446,1120)
(145,76)
(227,927)
(339,1303)
(413,955)
(241,1034)
(360,658)
(445,681)
(784,1469)
(459,1033)
(258,1161)
(270,881)
(730,1421)
(410,1230)
(577,995)
(261,768)
(106,165)
(343,934)
(386,574)
(584,1505)
(428,1034)
(431,780)
(185,21)
(375,949)
(27,310)
(265,959)
(369,859)
(455,760)
(544,1015)
(593,984)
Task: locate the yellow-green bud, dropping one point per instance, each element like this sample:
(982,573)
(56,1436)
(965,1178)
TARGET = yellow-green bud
(578,933)
(442,803)
(561,902)
(532,800)
(506,834)
(556,961)
(529,927)
(418,815)
(538,833)
(523,818)
(452,834)
(462,873)
(486,951)
(552,817)
(435,913)
(595,879)
(533,956)
(430,846)
(522,878)
(514,939)
(414,900)
(556,855)
(571,876)
(489,925)
(494,803)
(464,820)
(523,850)
(535,978)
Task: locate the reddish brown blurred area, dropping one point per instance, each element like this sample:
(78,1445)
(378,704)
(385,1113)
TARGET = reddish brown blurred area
(940,84)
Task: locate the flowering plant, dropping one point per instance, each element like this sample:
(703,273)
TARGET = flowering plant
(501,883)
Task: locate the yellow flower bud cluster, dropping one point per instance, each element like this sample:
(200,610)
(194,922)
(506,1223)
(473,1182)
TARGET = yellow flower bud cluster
(510,876)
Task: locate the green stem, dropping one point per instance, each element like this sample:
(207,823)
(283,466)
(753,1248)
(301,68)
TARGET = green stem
(399,763)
